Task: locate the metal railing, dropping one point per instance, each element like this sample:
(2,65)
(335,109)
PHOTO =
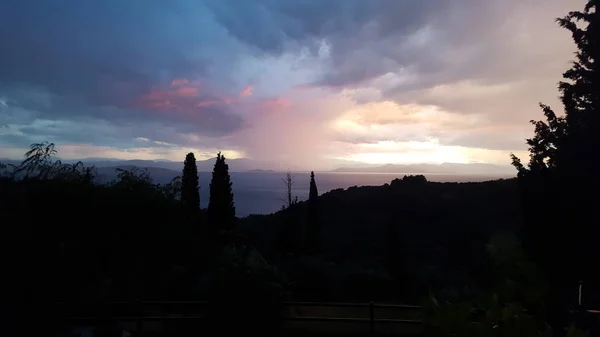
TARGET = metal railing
(135,311)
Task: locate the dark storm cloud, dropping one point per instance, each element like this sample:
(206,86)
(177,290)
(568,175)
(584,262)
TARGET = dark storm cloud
(83,56)
(349,27)
(272,24)
(63,59)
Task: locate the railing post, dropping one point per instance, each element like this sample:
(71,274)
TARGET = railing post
(371,318)
(579,292)
(139,327)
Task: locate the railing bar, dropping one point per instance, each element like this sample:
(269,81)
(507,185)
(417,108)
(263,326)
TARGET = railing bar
(328,319)
(394,320)
(315,319)
(134,318)
(399,306)
(321,304)
(174,302)
(324,304)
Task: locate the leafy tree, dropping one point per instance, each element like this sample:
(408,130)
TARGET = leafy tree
(417,179)
(221,209)
(511,305)
(312,233)
(173,189)
(133,175)
(38,161)
(190,194)
(560,183)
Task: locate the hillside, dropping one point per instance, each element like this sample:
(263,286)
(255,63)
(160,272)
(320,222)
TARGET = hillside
(439,229)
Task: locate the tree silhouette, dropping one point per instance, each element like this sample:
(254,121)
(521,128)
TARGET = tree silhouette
(190,193)
(560,181)
(221,209)
(289,200)
(312,232)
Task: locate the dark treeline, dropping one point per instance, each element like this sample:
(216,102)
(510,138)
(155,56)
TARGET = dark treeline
(499,258)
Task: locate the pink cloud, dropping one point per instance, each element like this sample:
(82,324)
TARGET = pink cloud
(181,94)
(275,104)
(187,91)
(178,82)
(209,102)
(247,91)
(186,100)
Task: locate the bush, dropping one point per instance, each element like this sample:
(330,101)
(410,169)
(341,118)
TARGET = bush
(246,293)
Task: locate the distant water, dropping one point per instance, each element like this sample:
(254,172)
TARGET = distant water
(263,192)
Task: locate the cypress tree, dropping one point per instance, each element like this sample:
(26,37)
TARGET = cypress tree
(190,194)
(221,208)
(312,232)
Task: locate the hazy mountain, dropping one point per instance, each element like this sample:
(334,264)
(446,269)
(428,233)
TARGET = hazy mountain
(235,165)
(159,175)
(333,164)
(448,168)
(346,166)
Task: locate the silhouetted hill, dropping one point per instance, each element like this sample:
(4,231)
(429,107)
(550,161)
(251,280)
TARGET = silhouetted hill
(442,228)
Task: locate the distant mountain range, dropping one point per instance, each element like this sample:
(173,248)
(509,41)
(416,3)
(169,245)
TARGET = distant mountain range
(168,168)
(448,168)
(235,165)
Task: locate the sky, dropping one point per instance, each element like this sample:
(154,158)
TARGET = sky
(301,82)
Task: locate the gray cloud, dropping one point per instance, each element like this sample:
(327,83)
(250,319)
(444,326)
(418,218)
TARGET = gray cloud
(366,37)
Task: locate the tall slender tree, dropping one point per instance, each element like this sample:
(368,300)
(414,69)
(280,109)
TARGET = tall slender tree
(190,187)
(559,185)
(221,208)
(312,231)
(289,200)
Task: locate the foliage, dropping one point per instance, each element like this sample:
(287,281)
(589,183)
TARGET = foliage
(39,163)
(190,188)
(221,209)
(486,317)
(246,290)
(573,331)
(557,184)
(418,179)
(133,176)
(442,230)
(103,228)
(172,190)
(510,305)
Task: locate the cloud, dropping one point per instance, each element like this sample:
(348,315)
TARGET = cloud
(297,81)
(246,92)
(88,56)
